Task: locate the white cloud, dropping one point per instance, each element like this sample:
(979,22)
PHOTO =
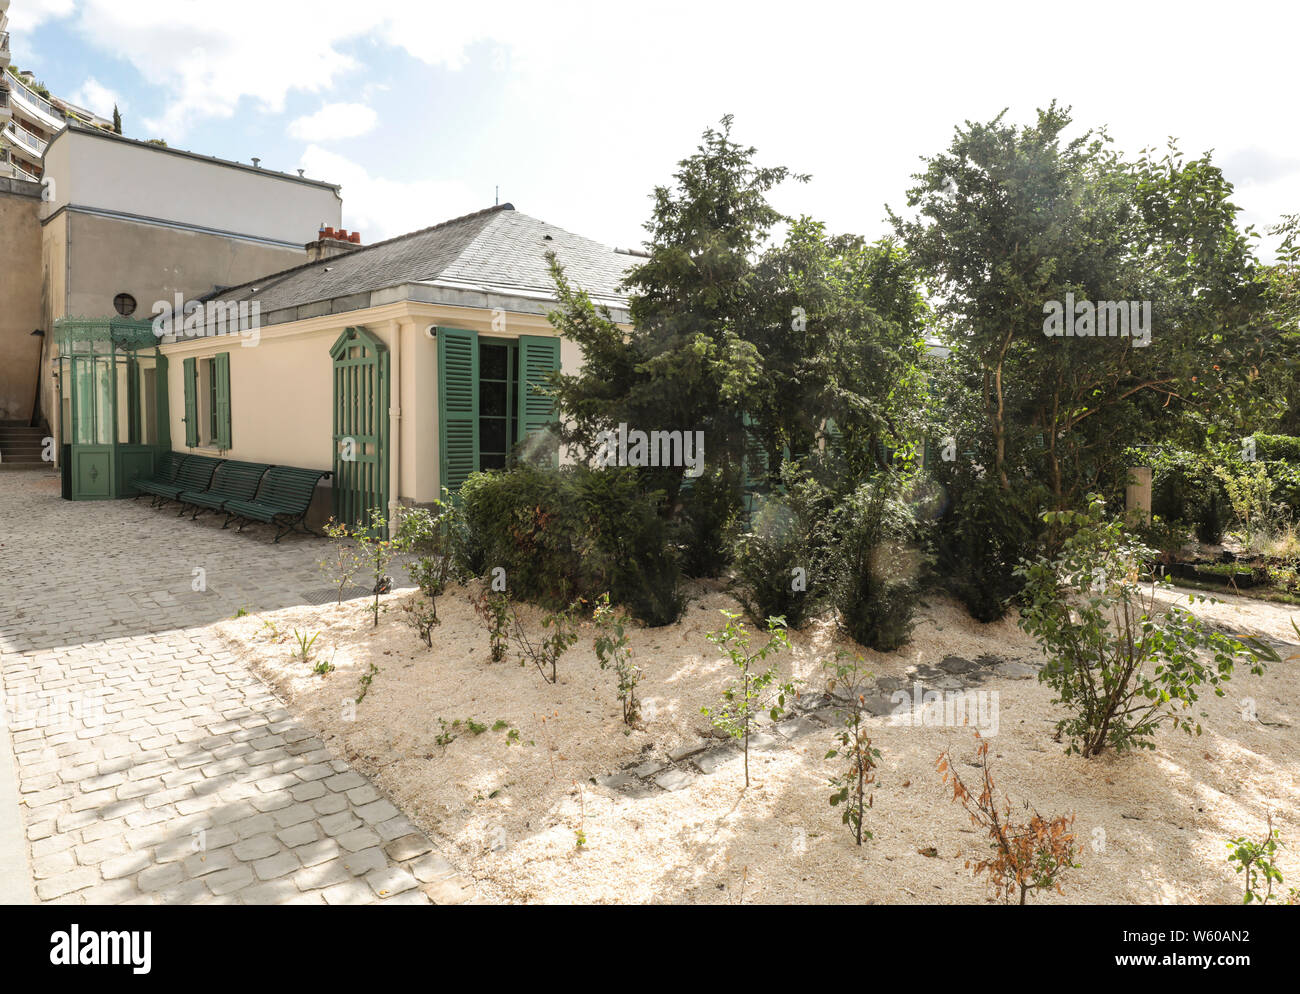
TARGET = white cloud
(26,15)
(381,208)
(95,96)
(334,121)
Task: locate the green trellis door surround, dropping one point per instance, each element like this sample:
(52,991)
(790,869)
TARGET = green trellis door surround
(361,362)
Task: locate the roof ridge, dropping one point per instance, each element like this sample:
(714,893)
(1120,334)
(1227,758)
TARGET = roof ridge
(271,279)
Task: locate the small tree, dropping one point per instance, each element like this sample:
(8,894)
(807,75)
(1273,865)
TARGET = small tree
(435,536)
(561,634)
(613,649)
(377,553)
(493,610)
(752,692)
(1027,856)
(1258,861)
(1116,661)
(344,561)
(853,786)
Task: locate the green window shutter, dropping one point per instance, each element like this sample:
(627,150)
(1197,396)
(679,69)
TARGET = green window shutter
(162,412)
(539,356)
(191,403)
(457,406)
(221,370)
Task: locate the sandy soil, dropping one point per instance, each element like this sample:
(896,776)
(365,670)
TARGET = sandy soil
(1153,824)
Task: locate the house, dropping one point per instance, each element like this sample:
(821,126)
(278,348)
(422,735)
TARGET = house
(401,367)
(118,224)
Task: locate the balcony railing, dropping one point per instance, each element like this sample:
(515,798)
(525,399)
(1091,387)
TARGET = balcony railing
(25,138)
(4,41)
(22,173)
(33,98)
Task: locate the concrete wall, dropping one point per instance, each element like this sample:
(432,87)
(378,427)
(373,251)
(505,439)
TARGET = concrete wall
(109,256)
(20,297)
(91,169)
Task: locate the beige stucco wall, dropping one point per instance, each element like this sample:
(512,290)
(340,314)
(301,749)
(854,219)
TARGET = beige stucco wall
(20,303)
(109,256)
(281,390)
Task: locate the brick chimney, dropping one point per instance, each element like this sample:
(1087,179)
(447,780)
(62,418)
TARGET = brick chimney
(330,243)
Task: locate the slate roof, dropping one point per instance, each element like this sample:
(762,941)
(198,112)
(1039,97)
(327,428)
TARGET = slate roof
(498,251)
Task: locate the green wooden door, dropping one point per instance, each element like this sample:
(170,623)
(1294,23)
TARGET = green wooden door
(361,372)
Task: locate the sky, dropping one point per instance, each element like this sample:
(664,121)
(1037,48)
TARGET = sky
(576,111)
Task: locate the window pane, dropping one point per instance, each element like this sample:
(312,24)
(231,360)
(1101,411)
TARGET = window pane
(492,362)
(492,400)
(492,435)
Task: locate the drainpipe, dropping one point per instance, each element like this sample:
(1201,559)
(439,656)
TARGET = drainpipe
(395,425)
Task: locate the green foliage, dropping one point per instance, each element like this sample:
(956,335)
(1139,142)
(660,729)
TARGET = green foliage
(305,642)
(493,610)
(711,504)
(753,691)
(561,634)
(576,533)
(1117,663)
(1257,859)
(782,563)
(422,615)
(875,603)
(1250,491)
(981,539)
(437,538)
(363,685)
(1009,218)
(852,785)
(613,649)
(1284,448)
(344,560)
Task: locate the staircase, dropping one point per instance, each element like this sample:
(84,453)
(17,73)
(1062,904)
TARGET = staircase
(20,447)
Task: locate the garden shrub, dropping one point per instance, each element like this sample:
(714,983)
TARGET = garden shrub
(1119,663)
(574,532)
(711,504)
(983,537)
(782,567)
(1282,448)
(875,601)
(436,538)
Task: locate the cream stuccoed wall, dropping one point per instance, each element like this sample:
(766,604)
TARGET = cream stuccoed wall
(281,389)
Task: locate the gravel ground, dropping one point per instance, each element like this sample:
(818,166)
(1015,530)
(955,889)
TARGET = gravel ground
(1152,824)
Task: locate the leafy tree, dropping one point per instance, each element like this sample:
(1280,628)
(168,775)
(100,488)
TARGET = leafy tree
(686,365)
(1010,218)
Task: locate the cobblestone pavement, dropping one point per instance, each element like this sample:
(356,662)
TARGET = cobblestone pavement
(152,766)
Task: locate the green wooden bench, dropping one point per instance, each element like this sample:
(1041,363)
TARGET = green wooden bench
(232,480)
(169,463)
(282,500)
(195,473)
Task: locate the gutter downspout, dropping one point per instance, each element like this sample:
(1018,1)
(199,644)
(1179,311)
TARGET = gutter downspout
(395,425)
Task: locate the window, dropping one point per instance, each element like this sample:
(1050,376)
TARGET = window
(207,401)
(498,421)
(124,304)
(489,401)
